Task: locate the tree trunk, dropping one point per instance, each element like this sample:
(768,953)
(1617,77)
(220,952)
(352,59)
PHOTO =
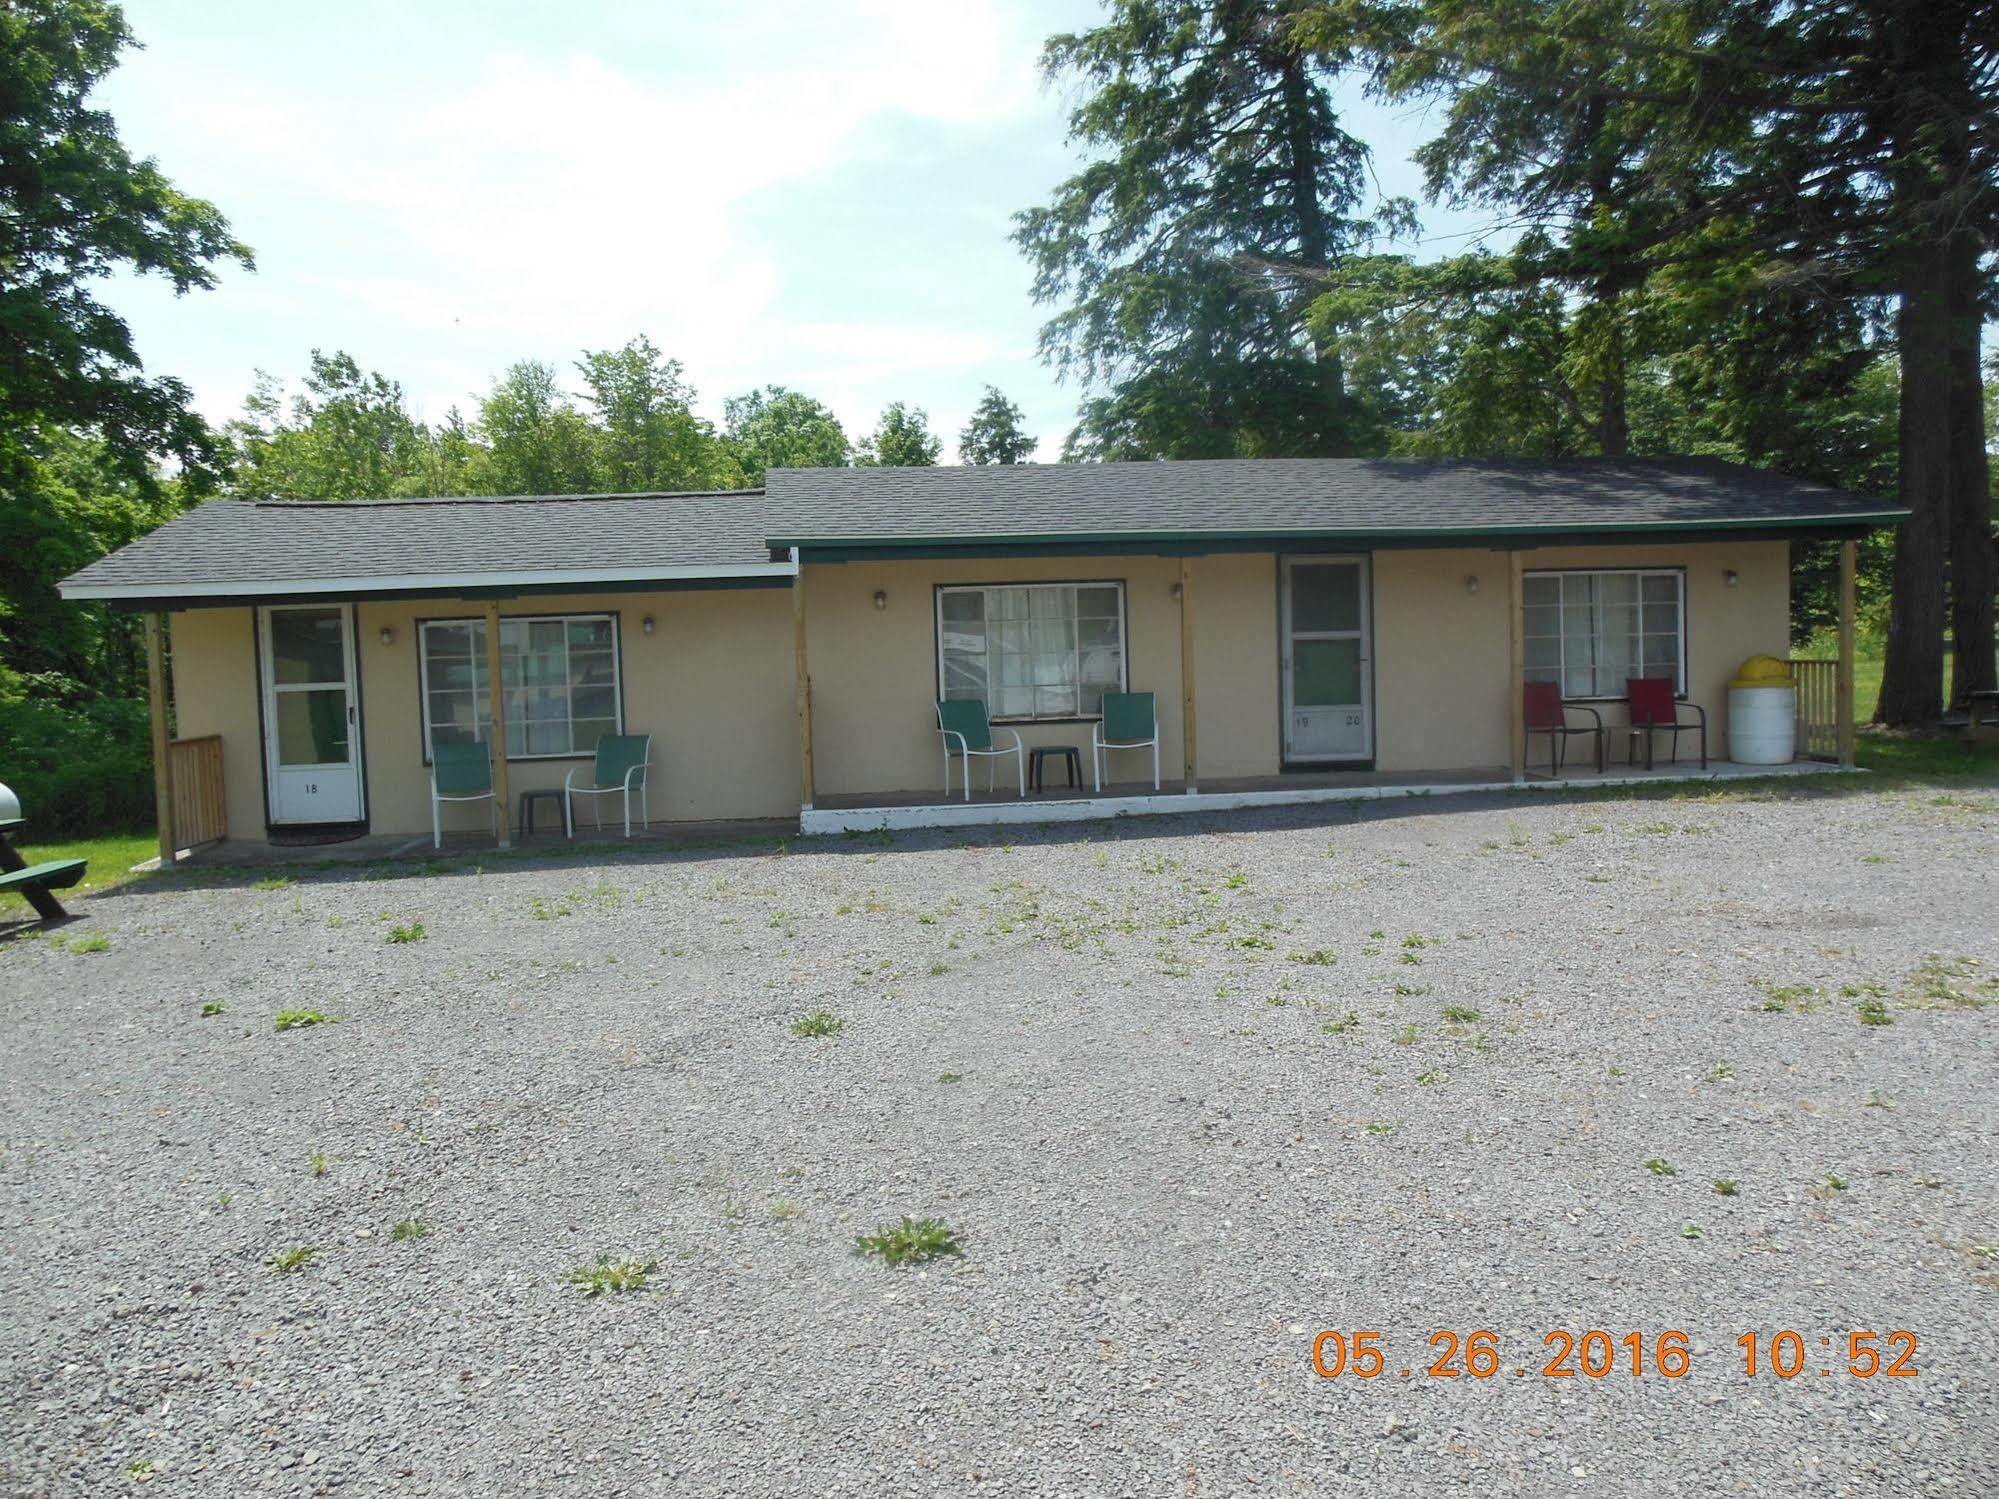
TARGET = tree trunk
(1970,524)
(1912,675)
(1302,167)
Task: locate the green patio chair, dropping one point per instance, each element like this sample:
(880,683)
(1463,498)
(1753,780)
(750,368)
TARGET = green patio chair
(619,770)
(1130,721)
(460,773)
(964,719)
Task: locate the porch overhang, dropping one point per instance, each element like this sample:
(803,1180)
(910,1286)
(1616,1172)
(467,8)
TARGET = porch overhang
(1182,543)
(524,584)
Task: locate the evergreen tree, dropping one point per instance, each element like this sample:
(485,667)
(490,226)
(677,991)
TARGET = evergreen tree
(994,434)
(1217,167)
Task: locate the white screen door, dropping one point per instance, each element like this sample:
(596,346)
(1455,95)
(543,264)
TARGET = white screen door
(1328,704)
(312,717)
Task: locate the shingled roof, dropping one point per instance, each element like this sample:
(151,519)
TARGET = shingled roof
(281,549)
(1359,500)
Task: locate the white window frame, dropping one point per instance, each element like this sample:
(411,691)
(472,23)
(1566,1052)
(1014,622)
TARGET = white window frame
(1679,578)
(477,622)
(1072,586)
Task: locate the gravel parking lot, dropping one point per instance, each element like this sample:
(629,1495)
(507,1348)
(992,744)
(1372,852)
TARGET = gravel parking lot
(1191,1090)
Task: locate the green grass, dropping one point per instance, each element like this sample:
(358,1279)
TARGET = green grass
(111,858)
(818,1023)
(291,1020)
(290,1261)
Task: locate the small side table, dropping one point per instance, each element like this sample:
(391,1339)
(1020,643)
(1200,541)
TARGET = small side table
(547,793)
(1038,757)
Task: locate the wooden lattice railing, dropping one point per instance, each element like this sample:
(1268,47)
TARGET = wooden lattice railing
(1818,708)
(201,810)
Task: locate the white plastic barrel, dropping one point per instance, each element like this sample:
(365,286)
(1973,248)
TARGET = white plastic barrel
(1762,724)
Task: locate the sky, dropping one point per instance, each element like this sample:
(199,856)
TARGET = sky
(814,195)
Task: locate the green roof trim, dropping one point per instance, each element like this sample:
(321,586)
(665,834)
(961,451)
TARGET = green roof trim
(1845,521)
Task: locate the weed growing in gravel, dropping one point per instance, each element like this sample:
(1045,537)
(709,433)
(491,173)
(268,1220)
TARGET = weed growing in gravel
(1433,1079)
(1341,1026)
(1410,957)
(611,1275)
(1460,1014)
(275,882)
(1876,1099)
(319,1163)
(1412,990)
(1723,1187)
(1379,1129)
(139,1469)
(950,1077)
(1690,1231)
(286,1261)
(1406,1036)
(212,1007)
(95,942)
(818,1023)
(414,932)
(1834,1182)
(1959,985)
(409,1228)
(1659,1167)
(1720,1072)
(1778,997)
(1873,1012)
(1318,957)
(785,1209)
(910,1242)
(938,970)
(291,1020)
(1929,1181)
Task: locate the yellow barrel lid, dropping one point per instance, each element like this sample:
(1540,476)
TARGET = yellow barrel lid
(1764,671)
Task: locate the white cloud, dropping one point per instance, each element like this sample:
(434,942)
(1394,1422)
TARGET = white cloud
(513,202)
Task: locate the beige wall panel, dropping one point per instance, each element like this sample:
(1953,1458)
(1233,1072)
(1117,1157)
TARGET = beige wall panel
(214,655)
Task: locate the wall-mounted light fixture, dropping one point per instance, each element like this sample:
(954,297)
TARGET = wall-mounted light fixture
(881,598)
(387,634)
(646,625)
(1731,577)
(1471,582)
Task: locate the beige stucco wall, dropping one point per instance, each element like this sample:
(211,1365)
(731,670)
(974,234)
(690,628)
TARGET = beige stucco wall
(214,657)
(874,672)
(713,685)
(1441,652)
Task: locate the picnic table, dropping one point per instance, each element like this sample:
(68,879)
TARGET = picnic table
(37,882)
(1982,715)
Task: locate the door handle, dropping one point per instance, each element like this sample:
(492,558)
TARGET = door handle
(350,713)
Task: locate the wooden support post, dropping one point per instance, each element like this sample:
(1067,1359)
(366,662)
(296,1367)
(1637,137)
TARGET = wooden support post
(496,722)
(163,775)
(1187,673)
(1516,677)
(804,690)
(1843,672)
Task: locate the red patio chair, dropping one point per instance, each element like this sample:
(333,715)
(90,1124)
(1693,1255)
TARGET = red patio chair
(1548,714)
(1655,710)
